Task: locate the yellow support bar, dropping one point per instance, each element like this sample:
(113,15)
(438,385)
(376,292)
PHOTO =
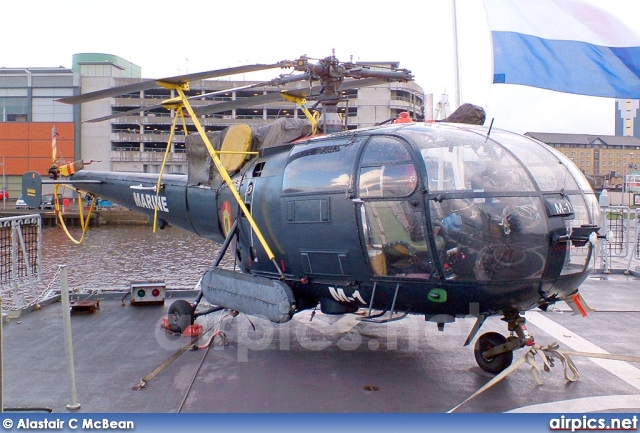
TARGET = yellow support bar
(298,100)
(224,173)
(164,163)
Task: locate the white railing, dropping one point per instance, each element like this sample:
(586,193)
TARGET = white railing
(620,224)
(21,255)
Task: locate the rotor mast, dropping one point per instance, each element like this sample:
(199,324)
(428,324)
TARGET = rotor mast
(331,73)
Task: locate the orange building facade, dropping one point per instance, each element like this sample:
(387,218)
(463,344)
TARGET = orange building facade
(29,112)
(26,146)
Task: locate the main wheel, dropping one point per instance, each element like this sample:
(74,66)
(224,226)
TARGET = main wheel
(496,363)
(180,316)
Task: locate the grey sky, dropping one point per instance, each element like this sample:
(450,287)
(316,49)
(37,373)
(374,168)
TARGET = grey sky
(213,35)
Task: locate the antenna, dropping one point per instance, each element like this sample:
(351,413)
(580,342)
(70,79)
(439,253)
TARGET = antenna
(489,131)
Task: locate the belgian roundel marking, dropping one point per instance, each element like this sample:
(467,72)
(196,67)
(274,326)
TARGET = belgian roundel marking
(227,216)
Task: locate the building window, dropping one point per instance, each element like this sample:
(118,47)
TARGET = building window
(13,109)
(96,70)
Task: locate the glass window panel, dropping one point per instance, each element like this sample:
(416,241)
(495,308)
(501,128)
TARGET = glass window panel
(492,239)
(10,108)
(586,211)
(398,180)
(548,167)
(319,167)
(457,160)
(383,149)
(395,239)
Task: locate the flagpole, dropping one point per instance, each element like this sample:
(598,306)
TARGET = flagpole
(456,66)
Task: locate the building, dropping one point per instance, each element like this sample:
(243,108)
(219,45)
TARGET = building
(136,141)
(628,117)
(28,115)
(604,158)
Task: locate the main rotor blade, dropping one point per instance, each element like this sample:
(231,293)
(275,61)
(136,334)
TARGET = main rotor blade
(251,101)
(150,84)
(107,93)
(124,113)
(222,72)
(364,82)
(156,106)
(308,92)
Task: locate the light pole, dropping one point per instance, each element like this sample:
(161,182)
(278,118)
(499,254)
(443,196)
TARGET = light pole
(625,179)
(4,187)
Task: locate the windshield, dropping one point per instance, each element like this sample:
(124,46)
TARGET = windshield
(458,161)
(487,201)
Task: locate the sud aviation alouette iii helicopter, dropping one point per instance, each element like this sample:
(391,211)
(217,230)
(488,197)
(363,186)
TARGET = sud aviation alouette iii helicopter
(443,219)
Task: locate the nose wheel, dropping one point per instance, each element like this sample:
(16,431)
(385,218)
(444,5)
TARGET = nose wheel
(492,341)
(494,352)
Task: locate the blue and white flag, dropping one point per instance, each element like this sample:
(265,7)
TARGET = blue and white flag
(571,46)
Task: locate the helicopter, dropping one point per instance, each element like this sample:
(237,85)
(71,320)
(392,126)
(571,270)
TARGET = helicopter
(443,219)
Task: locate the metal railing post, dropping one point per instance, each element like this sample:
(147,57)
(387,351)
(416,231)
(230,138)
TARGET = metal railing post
(66,319)
(1,361)
(603,246)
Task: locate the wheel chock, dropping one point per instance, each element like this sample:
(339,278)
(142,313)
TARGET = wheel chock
(195,330)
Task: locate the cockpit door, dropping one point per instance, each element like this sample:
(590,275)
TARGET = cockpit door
(392,211)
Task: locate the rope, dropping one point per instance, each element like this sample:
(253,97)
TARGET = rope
(84,224)
(504,373)
(143,382)
(191,345)
(206,346)
(195,374)
(548,355)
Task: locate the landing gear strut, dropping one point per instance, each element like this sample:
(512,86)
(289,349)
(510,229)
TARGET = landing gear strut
(494,352)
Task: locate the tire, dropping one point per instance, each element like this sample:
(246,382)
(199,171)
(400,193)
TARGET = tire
(180,316)
(498,363)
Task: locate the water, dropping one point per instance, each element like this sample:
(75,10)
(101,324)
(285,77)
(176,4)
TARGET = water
(111,257)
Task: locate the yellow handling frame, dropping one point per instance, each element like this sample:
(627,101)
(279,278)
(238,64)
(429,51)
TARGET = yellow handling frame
(181,102)
(298,100)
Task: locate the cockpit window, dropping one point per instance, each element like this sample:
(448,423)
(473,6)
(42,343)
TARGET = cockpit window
(458,161)
(548,167)
(384,150)
(581,181)
(492,239)
(386,169)
(323,166)
(394,235)
(398,180)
